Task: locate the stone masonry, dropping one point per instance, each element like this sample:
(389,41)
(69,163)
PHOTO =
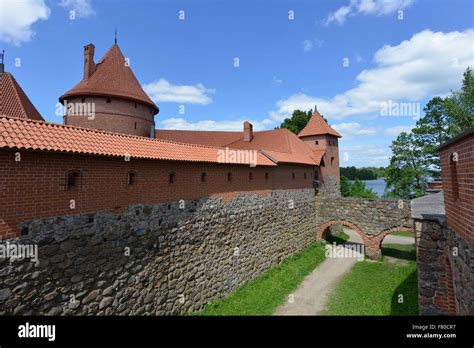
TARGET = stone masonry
(154,259)
(372,219)
(445,261)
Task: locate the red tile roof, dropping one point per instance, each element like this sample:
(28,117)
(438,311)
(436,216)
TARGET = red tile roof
(212,138)
(317,126)
(27,134)
(279,144)
(13,101)
(112,77)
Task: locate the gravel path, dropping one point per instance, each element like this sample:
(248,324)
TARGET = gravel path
(311,296)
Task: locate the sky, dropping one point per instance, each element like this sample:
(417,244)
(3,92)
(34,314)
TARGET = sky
(370,66)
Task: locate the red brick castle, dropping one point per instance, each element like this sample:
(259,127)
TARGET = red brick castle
(107,155)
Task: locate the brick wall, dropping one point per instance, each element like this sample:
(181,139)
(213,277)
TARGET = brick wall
(35,187)
(119,115)
(457,162)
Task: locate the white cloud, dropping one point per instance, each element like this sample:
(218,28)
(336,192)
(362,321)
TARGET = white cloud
(353,129)
(365,155)
(82,8)
(395,131)
(163,91)
(429,63)
(209,125)
(367,7)
(17,18)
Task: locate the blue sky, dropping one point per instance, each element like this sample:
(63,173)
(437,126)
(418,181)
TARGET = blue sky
(349,57)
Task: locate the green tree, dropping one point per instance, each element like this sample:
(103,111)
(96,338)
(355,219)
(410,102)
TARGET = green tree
(415,157)
(429,133)
(358,189)
(299,119)
(345,187)
(406,174)
(459,106)
(297,122)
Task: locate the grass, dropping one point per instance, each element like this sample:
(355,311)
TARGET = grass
(373,288)
(339,237)
(400,251)
(403,234)
(263,295)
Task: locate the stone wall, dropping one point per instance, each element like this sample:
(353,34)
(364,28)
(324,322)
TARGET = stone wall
(154,259)
(445,269)
(330,186)
(372,219)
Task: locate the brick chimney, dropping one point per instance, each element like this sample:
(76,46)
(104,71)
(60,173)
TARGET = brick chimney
(89,65)
(248,131)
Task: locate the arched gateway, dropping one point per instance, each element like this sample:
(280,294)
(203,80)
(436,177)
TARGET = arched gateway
(373,220)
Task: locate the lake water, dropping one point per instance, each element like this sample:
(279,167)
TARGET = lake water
(378,186)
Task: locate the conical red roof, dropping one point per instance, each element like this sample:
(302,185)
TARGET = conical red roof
(13,101)
(112,77)
(317,126)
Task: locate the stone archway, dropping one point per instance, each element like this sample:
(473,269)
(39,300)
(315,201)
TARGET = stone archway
(372,243)
(380,237)
(321,229)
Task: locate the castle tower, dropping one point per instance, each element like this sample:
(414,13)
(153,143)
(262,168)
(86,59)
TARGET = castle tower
(321,138)
(109,97)
(13,100)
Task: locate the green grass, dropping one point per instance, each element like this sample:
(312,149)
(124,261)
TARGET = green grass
(263,295)
(373,288)
(400,251)
(403,234)
(339,237)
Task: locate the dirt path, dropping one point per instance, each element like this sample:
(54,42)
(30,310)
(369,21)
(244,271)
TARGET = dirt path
(312,294)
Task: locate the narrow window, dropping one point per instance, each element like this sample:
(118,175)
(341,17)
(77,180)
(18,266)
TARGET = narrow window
(108,100)
(250,176)
(135,125)
(135,105)
(316,142)
(72,179)
(266,176)
(304,175)
(332,161)
(203,177)
(131,178)
(453,161)
(172,178)
(229,177)
(293,175)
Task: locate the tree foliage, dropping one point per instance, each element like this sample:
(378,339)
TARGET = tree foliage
(299,119)
(365,173)
(415,158)
(356,189)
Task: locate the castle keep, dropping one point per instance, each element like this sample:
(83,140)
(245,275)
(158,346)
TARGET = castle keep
(131,220)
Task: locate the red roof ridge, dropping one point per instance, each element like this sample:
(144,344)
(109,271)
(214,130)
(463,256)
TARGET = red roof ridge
(120,135)
(111,77)
(12,88)
(317,126)
(19,133)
